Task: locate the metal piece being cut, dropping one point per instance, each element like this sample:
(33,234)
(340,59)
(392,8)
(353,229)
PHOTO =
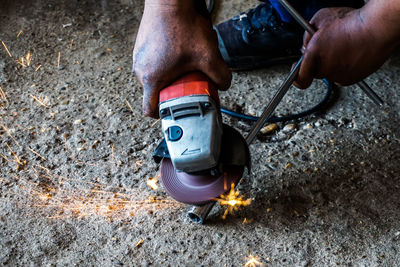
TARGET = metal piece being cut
(267,113)
(199,213)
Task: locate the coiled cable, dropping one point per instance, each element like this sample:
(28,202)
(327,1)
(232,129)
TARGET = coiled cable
(320,105)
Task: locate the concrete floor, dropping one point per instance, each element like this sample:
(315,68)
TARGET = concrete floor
(76,154)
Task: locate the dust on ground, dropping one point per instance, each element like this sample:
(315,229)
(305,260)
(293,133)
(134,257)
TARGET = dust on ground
(76,155)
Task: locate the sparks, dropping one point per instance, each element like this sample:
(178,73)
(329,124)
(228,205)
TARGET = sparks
(3,95)
(97,203)
(253,262)
(25,61)
(138,164)
(61,202)
(5,47)
(19,33)
(40,100)
(4,157)
(130,107)
(139,243)
(21,62)
(58,59)
(112,152)
(152,182)
(43,197)
(154,123)
(17,160)
(36,153)
(9,134)
(232,201)
(82,147)
(28,58)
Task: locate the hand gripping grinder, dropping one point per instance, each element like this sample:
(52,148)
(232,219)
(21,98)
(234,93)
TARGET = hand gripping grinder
(200,156)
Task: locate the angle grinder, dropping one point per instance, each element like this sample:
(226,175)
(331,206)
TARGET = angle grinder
(200,156)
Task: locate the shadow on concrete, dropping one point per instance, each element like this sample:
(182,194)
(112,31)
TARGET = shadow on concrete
(360,188)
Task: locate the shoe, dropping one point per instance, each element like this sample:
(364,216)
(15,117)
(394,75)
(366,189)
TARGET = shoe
(258,38)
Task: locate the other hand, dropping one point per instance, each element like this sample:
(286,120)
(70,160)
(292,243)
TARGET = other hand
(344,48)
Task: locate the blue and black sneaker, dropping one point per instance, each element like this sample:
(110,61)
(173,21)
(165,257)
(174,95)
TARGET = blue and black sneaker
(260,38)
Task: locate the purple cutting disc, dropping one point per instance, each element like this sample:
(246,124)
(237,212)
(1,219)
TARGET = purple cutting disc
(197,189)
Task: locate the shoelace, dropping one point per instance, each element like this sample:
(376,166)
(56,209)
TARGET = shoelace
(259,18)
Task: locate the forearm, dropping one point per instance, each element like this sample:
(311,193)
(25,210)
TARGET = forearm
(382,19)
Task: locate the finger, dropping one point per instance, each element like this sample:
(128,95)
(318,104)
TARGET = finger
(150,92)
(221,76)
(150,102)
(218,71)
(319,17)
(314,22)
(293,65)
(306,39)
(307,69)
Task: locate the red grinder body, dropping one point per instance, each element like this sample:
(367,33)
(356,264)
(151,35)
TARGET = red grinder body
(191,122)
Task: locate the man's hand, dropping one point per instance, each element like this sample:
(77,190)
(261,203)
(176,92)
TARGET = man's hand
(174,39)
(349,44)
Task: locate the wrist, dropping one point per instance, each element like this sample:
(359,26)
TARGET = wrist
(382,21)
(178,8)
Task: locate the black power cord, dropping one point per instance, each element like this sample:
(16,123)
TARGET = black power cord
(320,105)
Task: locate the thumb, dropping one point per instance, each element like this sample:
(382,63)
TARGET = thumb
(150,102)
(218,71)
(306,39)
(308,68)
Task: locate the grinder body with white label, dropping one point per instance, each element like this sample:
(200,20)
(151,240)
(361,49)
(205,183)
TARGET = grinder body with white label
(201,156)
(191,123)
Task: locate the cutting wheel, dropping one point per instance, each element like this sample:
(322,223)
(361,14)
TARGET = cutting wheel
(197,189)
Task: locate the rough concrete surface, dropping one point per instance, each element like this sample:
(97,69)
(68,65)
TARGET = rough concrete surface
(76,154)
